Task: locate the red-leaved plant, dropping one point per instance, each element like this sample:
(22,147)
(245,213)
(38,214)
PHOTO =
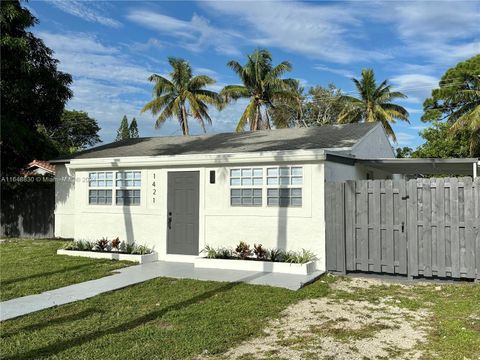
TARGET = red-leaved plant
(116,243)
(259,252)
(243,250)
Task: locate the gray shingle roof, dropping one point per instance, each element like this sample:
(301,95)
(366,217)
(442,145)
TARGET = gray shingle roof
(332,136)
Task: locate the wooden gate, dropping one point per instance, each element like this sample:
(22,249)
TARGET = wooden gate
(423,227)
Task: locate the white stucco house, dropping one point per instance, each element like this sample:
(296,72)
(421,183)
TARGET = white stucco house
(178,194)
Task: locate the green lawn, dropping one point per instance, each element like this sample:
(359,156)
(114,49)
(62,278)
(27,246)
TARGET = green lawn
(32,266)
(181,319)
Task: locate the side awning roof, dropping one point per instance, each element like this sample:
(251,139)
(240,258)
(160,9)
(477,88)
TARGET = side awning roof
(427,166)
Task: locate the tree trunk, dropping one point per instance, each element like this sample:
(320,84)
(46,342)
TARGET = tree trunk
(184,120)
(267,121)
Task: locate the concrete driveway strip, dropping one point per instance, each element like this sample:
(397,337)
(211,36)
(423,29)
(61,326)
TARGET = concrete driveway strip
(139,273)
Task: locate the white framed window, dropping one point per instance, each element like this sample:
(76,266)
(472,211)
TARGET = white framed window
(246,177)
(246,186)
(125,184)
(127,197)
(284,197)
(246,197)
(128,179)
(127,187)
(100,179)
(284,186)
(285,175)
(100,185)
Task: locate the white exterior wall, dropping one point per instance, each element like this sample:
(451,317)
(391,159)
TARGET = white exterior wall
(220,224)
(64,202)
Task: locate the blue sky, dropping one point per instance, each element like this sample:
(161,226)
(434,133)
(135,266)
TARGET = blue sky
(111,48)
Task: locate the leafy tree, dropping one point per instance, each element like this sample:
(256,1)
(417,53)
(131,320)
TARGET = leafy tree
(182,95)
(374,103)
(262,84)
(75,132)
(133,129)
(123,131)
(288,111)
(404,152)
(33,91)
(441,143)
(457,100)
(324,106)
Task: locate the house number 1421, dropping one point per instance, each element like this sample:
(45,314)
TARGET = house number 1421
(154,189)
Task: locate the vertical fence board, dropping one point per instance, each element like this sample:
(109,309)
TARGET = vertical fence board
(402,237)
(454,228)
(469,229)
(412,229)
(362,210)
(427,228)
(376,238)
(440,221)
(388,243)
(350,224)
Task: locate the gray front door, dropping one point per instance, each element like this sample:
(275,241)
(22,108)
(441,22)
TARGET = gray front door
(182,212)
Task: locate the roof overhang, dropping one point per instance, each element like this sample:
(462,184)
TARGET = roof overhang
(427,166)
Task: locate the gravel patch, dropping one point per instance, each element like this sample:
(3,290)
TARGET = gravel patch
(339,329)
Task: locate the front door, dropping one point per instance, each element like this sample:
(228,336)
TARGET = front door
(182,212)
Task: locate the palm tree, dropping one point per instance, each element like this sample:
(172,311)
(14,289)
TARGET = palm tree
(182,95)
(262,84)
(374,103)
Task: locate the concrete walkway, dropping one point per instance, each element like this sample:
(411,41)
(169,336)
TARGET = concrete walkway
(140,273)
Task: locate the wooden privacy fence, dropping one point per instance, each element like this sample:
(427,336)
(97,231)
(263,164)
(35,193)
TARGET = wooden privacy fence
(27,210)
(421,227)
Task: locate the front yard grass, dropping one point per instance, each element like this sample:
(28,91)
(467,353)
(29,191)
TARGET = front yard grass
(32,266)
(187,319)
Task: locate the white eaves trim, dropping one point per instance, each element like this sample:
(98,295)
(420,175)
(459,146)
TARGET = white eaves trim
(201,159)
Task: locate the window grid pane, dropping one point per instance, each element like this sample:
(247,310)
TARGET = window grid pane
(285,176)
(127,197)
(246,197)
(284,197)
(246,177)
(100,179)
(100,197)
(128,179)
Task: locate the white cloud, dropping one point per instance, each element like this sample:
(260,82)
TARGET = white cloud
(441,31)
(320,30)
(342,72)
(406,139)
(88,11)
(83,55)
(416,86)
(151,43)
(196,35)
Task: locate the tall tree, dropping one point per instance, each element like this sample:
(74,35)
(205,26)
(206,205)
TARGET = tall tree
(288,111)
(262,84)
(75,132)
(457,101)
(123,131)
(33,92)
(181,96)
(324,106)
(133,129)
(374,103)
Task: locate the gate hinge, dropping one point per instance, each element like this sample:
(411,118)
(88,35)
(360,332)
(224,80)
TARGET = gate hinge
(405,197)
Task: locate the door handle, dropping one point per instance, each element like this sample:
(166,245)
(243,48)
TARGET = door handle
(169,221)
(403,226)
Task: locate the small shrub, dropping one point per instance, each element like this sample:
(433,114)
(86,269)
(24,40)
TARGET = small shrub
(300,257)
(140,249)
(276,255)
(243,250)
(129,248)
(210,252)
(101,245)
(123,246)
(259,252)
(116,244)
(224,253)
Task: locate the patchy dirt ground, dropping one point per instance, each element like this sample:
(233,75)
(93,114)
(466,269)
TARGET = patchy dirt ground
(341,328)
